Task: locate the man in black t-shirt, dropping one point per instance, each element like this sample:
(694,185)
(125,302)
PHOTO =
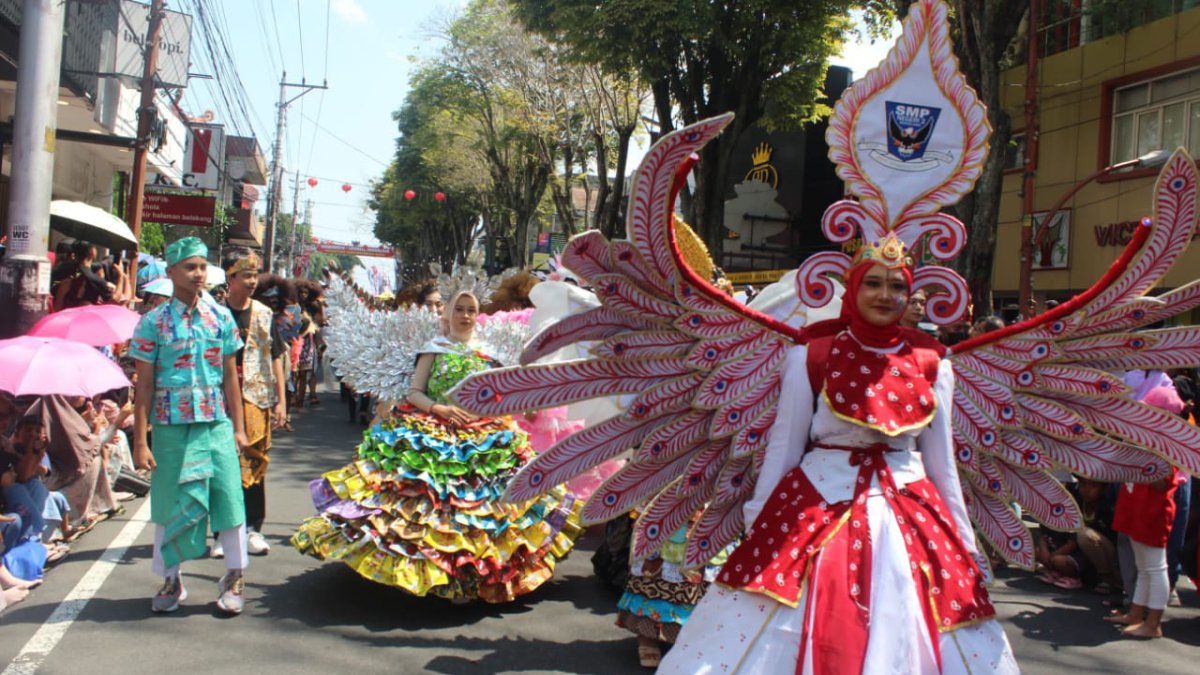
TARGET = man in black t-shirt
(260,374)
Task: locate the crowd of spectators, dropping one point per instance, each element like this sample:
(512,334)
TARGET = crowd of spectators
(1137,539)
(60,458)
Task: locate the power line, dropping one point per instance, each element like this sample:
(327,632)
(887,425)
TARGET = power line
(266,41)
(312,149)
(300,33)
(328,5)
(228,84)
(278,40)
(339,181)
(226,67)
(350,145)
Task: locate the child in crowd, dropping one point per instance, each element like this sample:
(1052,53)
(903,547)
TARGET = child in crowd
(1088,557)
(1145,513)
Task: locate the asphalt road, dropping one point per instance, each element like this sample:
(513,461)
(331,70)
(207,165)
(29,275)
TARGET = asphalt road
(306,616)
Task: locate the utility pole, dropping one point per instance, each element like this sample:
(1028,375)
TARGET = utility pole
(307,220)
(1031,158)
(291,259)
(146,114)
(25,271)
(277,164)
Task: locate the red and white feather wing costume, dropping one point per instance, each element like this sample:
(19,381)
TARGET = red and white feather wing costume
(701,375)
(1048,392)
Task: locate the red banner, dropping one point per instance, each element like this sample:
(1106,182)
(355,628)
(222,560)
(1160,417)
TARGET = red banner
(179,209)
(335,248)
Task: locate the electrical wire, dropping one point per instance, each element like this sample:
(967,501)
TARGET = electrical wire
(300,34)
(350,145)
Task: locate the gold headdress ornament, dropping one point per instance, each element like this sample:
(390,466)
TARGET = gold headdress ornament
(890,252)
(249,262)
(693,248)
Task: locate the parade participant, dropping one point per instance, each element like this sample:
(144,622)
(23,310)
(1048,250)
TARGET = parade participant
(260,374)
(186,352)
(660,595)
(419,508)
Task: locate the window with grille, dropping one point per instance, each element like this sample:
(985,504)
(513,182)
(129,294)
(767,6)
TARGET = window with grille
(1159,114)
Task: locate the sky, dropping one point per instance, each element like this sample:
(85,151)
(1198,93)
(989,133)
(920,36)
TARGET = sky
(366,51)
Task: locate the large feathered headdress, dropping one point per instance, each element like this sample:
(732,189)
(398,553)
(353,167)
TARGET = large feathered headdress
(908,139)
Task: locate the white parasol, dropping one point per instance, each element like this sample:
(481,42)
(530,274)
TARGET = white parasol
(84,221)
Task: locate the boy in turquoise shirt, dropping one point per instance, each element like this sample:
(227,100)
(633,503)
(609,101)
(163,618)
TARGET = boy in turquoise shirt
(187,388)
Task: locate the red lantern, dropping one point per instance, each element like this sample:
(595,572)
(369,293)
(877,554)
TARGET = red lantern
(345,187)
(312,182)
(409,194)
(439,196)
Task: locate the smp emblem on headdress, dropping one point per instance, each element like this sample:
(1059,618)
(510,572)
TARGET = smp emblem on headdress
(910,130)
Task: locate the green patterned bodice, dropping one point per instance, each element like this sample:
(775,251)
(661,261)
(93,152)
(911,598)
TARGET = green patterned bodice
(453,367)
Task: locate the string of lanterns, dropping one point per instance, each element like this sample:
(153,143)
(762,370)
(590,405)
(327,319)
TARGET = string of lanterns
(312,182)
(409,194)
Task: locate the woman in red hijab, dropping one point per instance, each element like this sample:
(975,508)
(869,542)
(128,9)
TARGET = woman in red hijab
(859,554)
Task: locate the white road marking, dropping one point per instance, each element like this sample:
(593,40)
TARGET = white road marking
(52,631)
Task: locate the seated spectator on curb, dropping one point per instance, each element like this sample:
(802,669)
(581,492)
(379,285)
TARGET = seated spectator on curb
(1087,557)
(115,419)
(76,463)
(1097,540)
(45,512)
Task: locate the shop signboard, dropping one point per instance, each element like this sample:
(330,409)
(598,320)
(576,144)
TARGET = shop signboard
(171,209)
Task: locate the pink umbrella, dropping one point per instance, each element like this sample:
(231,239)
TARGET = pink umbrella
(41,366)
(95,325)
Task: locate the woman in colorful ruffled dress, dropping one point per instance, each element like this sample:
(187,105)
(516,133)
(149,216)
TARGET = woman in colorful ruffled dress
(420,508)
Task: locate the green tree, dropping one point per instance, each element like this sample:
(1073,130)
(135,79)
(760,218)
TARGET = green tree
(151,239)
(985,31)
(434,153)
(318,262)
(763,59)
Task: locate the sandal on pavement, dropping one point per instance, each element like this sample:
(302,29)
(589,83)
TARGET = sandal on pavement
(56,552)
(80,530)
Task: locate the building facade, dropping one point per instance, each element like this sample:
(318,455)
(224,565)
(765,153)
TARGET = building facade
(1109,92)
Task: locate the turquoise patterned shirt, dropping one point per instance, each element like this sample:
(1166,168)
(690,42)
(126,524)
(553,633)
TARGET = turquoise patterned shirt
(187,347)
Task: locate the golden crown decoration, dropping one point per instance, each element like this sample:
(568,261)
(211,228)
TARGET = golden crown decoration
(889,252)
(761,154)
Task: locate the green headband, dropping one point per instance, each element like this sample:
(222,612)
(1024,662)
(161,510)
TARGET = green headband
(188,247)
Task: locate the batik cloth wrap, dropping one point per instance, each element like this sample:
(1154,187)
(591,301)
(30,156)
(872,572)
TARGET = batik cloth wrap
(419,509)
(660,594)
(255,458)
(195,486)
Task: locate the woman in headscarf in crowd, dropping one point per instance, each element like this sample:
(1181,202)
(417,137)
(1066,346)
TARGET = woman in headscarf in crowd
(76,460)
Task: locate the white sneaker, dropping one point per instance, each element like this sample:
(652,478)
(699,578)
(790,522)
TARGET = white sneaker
(256,544)
(216,550)
(1173,600)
